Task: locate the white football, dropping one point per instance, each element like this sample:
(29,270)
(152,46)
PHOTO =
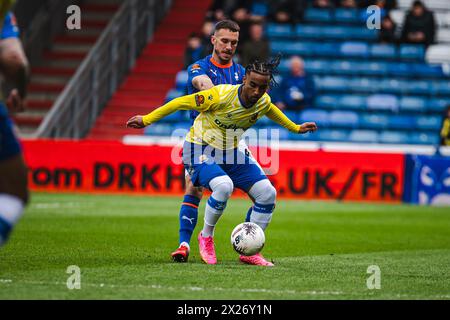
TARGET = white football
(248,238)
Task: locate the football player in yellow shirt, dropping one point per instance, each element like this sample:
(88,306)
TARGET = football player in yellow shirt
(210,153)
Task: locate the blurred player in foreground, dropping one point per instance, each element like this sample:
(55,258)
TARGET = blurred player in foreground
(216,68)
(226,112)
(13,172)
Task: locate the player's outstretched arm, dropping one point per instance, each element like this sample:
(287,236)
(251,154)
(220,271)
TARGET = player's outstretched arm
(200,101)
(276,115)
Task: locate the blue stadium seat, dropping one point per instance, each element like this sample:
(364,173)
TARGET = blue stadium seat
(332,135)
(337,33)
(424,138)
(354,49)
(276,30)
(437,105)
(330,83)
(327,101)
(413,104)
(181,80)
(362,33)
(400,69)
(363,85)
(440,88)
(428,70)
(159,129)
(384,51)
(343,67)
(318,15)
(373,68)
(373,121)
(412,52)
(291,48)
(347,16)
(418,87)
(259,8)
(401,122)
(308,31)
(330,49)
(318,116)
(317,66)
(173,93)
(429,122)
(291,114)
(393,86)
(396,137)
(382,102)
(274,132)
(343,119)
(354,102)
(368,136)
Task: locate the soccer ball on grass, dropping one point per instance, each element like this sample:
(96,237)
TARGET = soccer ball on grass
(248,238)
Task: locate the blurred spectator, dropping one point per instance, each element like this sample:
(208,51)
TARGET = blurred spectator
(322,4)
(194,49)
(296,91)
(287,11)
(242,17)
(388,32)
(385,5)
(207,31)
(348,4)
(257,47)
(445,131)
(419,25)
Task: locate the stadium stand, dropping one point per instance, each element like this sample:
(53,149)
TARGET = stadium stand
(153,74)
(367,92)
(59,62)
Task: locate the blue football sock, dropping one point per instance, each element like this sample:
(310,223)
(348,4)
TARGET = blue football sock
(5,229)
(188,217)
(249,212)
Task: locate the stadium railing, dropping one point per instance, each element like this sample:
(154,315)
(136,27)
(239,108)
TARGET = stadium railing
(101,72)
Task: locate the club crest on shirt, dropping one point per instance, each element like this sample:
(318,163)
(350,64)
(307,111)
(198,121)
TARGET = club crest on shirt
(254,117)
(195,66)
(199,99)
(236,76)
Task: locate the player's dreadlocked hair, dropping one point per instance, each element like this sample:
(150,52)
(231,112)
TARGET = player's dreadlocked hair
(268,68)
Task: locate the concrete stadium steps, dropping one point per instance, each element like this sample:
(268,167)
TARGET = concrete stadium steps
(60,62)
(154,73)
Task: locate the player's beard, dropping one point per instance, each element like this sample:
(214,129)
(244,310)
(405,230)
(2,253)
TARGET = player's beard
(221,58)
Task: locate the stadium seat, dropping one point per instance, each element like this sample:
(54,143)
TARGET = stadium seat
(354,49)
(373,121)
(330,83)
(343,119)
(374,68)
(317,66)
(384,51)
(342,15)
(382,102)
(441,88)
(330,49)
(276,30)
(354,102)
(284,66)
(429,122)
(358,33)
(158,129)
(367,136)
(291,48)
(412,52)
(259,8)
(437,105)
(332,135)
(396,137)
(400,69)
(173,93)
(327,101)
(318,15)
(338,33)
(181,80)
(308,31)
(401,122)
(393,86)
(363,85)
(426,138)
(291,114)
(412,104)
(418,87)
(318,116)
(438,53)
(428,70)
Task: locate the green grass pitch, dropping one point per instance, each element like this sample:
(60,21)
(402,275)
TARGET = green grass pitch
(322,250)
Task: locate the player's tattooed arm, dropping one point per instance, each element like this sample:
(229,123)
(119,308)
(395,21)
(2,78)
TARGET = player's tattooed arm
(202,82)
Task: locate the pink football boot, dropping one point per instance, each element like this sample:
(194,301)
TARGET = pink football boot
(257,260)
(207,251)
